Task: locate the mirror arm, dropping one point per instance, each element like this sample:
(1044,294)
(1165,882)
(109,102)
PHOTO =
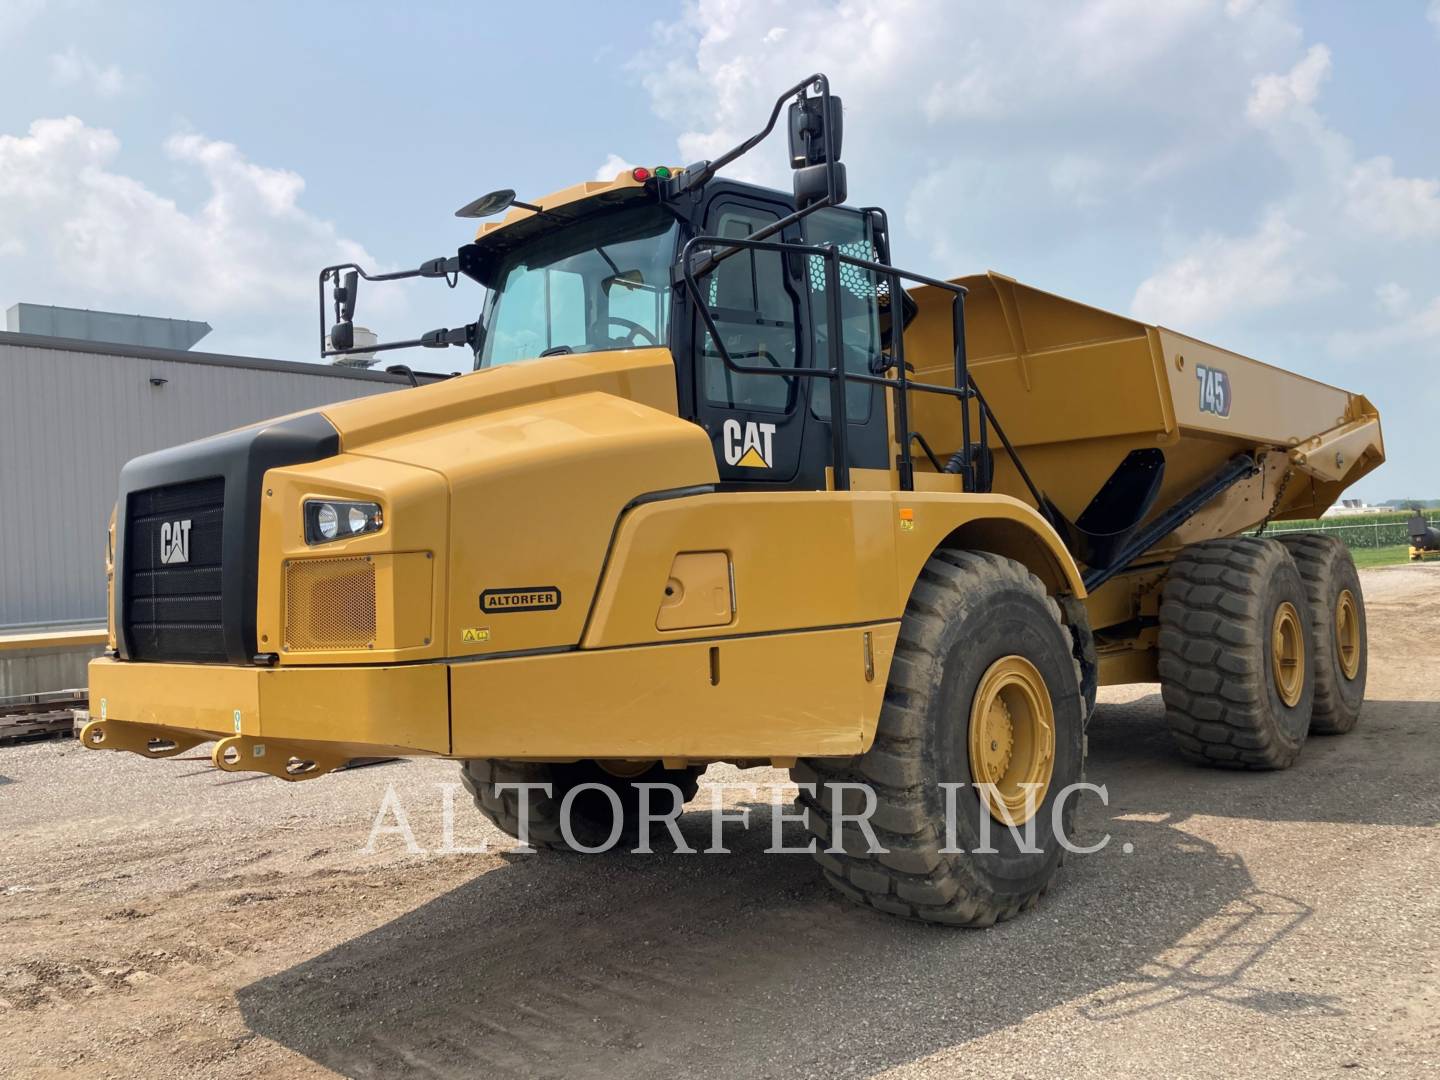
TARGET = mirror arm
(440,267)
(460,335)
(431,339)
(346,278)
(698,175)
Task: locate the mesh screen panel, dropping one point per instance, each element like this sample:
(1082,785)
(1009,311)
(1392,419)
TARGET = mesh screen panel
(329,604)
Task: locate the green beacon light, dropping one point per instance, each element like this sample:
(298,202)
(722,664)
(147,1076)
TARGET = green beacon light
(663,172)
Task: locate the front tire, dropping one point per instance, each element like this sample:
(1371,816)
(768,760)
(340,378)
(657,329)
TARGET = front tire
(983,655)
(592,814)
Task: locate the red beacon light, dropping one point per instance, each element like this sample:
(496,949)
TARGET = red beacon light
(640,173)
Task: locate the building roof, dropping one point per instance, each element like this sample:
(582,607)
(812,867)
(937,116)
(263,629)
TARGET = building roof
(183,356)
(112,326)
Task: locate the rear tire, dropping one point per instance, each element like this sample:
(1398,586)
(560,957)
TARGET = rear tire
(1337,618)
(971,615)
(1236,668)
(592,817)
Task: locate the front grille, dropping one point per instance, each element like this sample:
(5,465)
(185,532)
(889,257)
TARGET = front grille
(329,604)
(173,536)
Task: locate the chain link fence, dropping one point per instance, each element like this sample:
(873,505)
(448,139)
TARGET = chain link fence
(1357,535)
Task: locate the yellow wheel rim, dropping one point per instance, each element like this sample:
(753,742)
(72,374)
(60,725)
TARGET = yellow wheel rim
(1287,653)
(1347,633)
(1012,739)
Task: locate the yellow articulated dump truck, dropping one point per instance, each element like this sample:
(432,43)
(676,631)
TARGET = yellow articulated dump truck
(725,484)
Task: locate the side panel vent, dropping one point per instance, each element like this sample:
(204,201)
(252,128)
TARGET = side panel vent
(329,604)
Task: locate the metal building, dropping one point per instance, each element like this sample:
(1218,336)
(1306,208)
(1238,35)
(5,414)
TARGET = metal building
(72,412)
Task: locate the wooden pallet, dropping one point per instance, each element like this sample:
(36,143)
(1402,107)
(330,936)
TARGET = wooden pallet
(42,716)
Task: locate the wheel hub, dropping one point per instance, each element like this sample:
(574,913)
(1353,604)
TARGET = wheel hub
(997,741)
(1012,739)
(1347,633)
(1287,654)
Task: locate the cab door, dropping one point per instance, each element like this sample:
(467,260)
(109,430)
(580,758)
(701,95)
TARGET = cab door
(756,422)
(868,434)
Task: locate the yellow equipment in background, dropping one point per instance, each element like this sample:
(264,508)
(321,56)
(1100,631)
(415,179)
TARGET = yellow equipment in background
(1424,540)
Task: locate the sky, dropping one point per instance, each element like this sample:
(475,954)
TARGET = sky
(1263,174)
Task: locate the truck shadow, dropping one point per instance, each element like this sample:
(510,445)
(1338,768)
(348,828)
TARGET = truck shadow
(747,965)
(1379,774)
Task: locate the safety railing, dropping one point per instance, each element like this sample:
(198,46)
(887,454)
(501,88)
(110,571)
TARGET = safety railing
(969,461)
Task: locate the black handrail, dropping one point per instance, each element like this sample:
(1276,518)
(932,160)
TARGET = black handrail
(964,389)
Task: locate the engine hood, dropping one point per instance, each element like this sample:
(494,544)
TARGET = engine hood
(644,376)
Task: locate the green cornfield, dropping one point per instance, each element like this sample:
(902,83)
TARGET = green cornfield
(1361,532)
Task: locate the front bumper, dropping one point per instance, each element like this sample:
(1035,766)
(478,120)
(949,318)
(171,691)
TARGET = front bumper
(812,693)
(270,719)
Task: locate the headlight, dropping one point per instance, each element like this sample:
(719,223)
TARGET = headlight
(331,519)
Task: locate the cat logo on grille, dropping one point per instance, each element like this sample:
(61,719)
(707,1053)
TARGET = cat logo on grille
(174,542)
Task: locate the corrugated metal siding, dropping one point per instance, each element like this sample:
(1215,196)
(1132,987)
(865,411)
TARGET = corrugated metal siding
(41,671)
(70,419)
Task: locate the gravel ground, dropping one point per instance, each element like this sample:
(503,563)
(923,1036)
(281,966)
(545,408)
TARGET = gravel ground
(166,920)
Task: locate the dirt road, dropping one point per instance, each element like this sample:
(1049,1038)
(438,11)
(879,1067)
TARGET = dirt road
(165,920)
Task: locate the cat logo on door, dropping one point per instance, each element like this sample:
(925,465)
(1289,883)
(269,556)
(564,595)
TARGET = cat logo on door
(750,446)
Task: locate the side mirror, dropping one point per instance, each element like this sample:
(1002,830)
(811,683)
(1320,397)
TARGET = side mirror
(342,335)
(815,133)
(345,296)
(812,184)
(488,205)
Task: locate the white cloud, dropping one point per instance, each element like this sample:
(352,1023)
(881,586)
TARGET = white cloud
(1036,92)
(96,237)
(1223,276)
(1390,205)
(1433,14)
(612,167)
(1340,217)
(1080,146)
(1300,86)
(1421,328)
(74,68)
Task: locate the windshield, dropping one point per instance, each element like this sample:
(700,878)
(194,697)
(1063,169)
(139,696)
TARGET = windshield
(595,285)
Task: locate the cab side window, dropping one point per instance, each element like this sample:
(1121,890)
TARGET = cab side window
(853,234)
(756,312)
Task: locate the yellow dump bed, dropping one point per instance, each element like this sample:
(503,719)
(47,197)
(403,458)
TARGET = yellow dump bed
(1078,389)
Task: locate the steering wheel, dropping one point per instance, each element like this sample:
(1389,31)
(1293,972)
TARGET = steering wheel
(636,331)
